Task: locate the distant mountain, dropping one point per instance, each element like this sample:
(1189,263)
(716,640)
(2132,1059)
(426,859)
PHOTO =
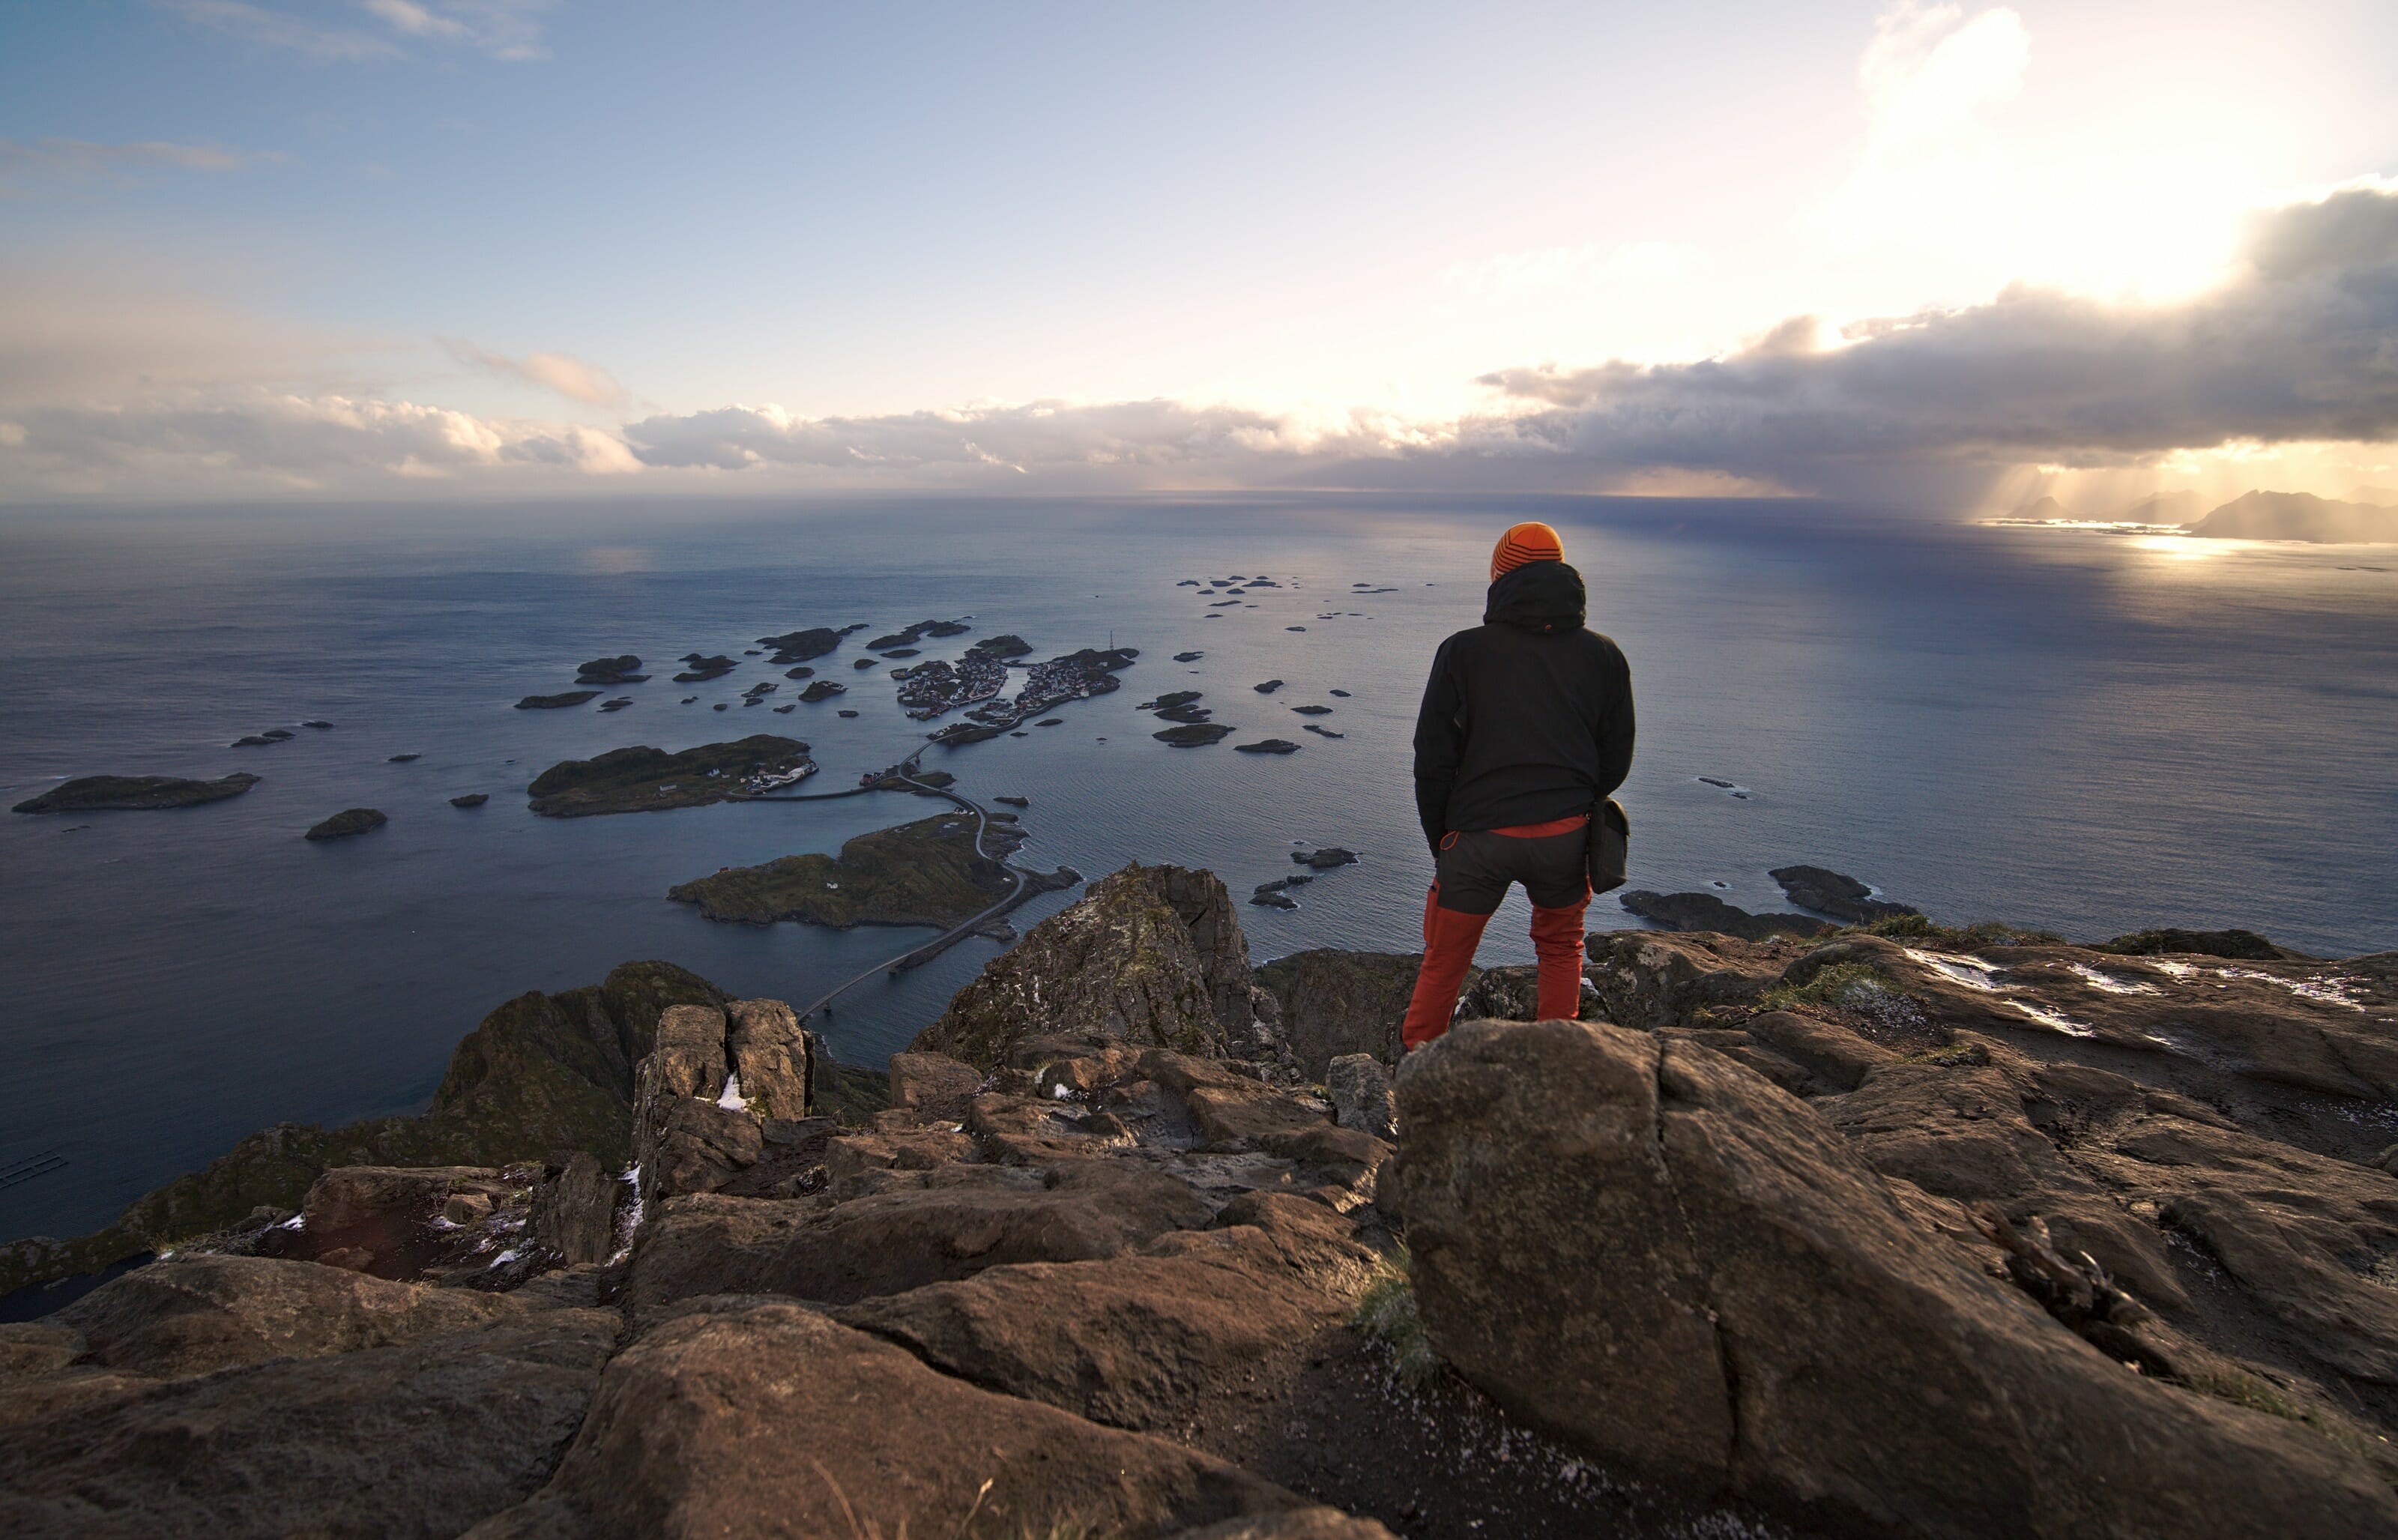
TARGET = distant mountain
(2299,516)
(2386,497)
(2164,508)
(2045,509)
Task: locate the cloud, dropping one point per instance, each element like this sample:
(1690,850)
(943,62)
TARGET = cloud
(276,29)
(572,378)
(80,159)
(1119,437)
(2300,345)
(232,442)
(502,28)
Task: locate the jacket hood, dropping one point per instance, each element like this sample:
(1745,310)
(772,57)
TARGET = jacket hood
(1538,596)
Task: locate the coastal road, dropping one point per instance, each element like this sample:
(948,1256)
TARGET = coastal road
(927,951)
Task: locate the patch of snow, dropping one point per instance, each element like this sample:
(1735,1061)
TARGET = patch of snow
(295,1223)
(1967,971)
(730,1100)
(506,1257)
(1062,1091)
(2174,970)
(2109,982)
(2333,991)
(2054,1020)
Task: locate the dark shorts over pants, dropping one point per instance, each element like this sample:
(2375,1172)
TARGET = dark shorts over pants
(1475,869)
(1472,875)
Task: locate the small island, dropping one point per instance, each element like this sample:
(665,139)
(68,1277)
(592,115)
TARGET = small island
(704,667)
(800,646)
(1197,735)
(1267,746)
(557,702)
(349,821)
(641,779)
(920,873)
(134,793)
(625,670)
(918,632)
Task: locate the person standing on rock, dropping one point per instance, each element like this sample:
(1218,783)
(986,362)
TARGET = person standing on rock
(1526,728)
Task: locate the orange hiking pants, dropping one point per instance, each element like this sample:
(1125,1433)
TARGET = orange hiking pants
(1471,875)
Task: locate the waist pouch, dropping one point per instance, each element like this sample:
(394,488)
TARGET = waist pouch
(1610,837)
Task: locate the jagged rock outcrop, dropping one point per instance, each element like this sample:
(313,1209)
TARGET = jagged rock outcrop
(1153,955)
(715,1083)
(1652,1250)
(1334,1003)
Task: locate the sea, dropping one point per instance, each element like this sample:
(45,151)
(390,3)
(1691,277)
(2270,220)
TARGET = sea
(2088,731)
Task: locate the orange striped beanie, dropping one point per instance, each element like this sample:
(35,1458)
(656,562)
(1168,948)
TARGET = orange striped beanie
(1522,543)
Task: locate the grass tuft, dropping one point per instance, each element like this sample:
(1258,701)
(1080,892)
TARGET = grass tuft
(1850,986)
(1386,1311)
(1985,933)
(2256,1395)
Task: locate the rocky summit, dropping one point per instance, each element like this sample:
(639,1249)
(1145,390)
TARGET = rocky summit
(1890,1230)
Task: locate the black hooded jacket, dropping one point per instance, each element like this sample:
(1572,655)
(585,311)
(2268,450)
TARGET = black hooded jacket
(1528,716)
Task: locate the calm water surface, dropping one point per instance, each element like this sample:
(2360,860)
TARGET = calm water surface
(2079,731)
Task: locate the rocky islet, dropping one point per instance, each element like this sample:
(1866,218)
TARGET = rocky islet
(347,823)
(642,779)
(135,793)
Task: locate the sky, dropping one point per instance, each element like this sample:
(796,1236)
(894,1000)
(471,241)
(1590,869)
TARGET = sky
(1947,255)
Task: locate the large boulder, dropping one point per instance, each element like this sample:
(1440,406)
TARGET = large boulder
(419,1437)
(1152,955)
(744,1416)
(1139,1340)
(192,1314)
(925,1226)
(1651,1250)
